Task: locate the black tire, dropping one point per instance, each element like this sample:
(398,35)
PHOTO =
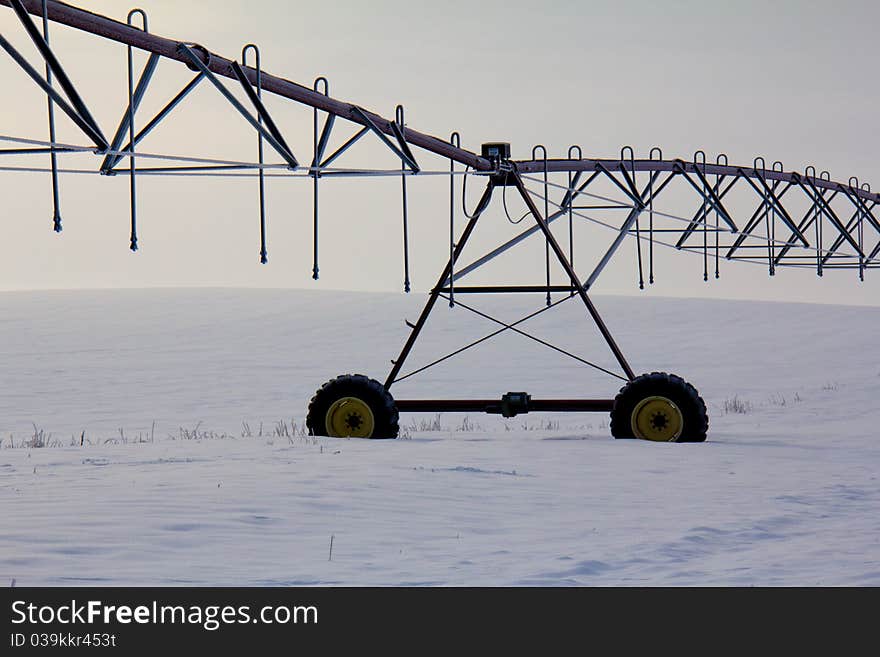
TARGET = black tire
(689,407)
(362,389)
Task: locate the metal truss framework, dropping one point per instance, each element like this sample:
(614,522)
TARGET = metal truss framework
(836,225)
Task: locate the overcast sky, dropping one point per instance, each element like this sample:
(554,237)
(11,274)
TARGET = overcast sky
(793,81)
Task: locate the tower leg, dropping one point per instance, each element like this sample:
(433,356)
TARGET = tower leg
(435,292)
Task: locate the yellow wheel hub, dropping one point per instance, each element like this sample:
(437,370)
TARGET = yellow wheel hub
(349,417)
(657,419)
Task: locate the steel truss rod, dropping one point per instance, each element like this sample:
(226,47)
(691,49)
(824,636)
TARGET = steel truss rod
(322,142)
(760,214)
(348,144)
(485,338)
(120,32)
(701,247)
(875,250)
(706,191)
(73,148)
(263,113)
(674,217)
(759,246)
(862,211)
(660,242)
(34,151)
(271,135)
(829,212)
(197,169)
(867,212)
(86,21)
(570,193)
(774,203)
(156,120)
(713,200)
(851,267)
(410,162)
(506,289)
(512,327)
(43,10)
(565,208)
(845,236)
(633,196)
(85,126)
(621,172)
(111,160)
(821,208)
(399,130)
(643,199)
(218,172)
(813,215)
(622,234)
(703,213)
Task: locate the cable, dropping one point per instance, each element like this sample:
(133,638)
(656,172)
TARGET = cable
(504,327)
(504,203)
(303,173)
(470,216)
(465,175)
(300,171)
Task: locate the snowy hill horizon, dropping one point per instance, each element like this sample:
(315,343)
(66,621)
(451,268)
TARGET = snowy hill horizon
(156,437)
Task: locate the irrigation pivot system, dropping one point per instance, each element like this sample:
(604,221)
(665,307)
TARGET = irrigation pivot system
(714,210)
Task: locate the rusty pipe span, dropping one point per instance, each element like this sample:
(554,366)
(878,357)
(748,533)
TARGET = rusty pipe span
(81,19)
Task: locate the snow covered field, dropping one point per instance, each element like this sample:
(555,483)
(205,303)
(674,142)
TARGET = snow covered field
(194,470)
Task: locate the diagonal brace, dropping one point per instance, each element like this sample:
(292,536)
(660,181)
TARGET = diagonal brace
(707,190)
(279,146)
(348,144)
(60,74)
(834,219)
(512,327)
(155,121)
(404,147)
(528,232)
(760,214)
(85,126)
(702,215)
(112,158)
(263,113)
(323,141)
(367,121)
(770,195)
(813,215)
